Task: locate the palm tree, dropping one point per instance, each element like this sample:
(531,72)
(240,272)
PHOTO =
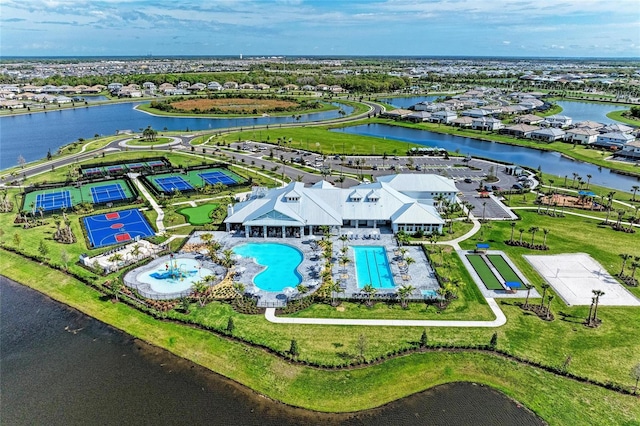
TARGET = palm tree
(597,293)
(620,216)
(334,288)
(199,290)
(344,239)
(369,290)
(402,237)
(575,175)
(526,301)
(549,299)
(544,286)
(545,231)
(635,189)
(513,227)
(403,293)
(135,251)
(634,266)
(624,257)
(521,230)
(343,262)
(533,231)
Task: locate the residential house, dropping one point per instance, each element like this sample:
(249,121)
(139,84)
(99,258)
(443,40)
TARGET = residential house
(587,124)
(548,134)
(519,130)
(289,87)
(486,123)
(214,85)
(246,86)
(613,140)
(230,85)
(559,121)
(476,112)
(581,135)
(397,113)
(530,119)
(262,86)
(183,85)
(616,127)
(149,88)
(630,150)
(462,122)
(443,117)
(419,116)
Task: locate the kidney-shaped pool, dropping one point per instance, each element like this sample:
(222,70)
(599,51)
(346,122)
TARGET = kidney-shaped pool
(280,261)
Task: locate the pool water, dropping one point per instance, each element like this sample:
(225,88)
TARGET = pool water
(281,263)
(372,267)
(191,272)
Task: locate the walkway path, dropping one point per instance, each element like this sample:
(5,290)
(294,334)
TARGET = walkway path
(455,242)
(160,219)
(501,319)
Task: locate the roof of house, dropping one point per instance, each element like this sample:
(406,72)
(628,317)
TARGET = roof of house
(525,128)
(549,131)
(419,182)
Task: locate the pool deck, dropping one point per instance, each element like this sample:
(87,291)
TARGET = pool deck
(421,276)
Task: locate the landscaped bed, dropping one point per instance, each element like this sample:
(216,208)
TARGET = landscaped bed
(486,275)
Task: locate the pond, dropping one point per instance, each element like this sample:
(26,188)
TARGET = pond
(32,135)
(548,162)
(62,367)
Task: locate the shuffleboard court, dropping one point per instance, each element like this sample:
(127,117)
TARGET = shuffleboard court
(107,193)
(116,227)
(484,272)
(52,201)
(503,268)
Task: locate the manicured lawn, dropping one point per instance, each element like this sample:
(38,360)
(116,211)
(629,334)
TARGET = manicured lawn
(503,268)
(200,215)
(555,399)
(483,271)
(617,116)
(146,142)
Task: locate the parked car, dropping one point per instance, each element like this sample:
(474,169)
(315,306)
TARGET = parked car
(495,187)
(517,186)
(468,180)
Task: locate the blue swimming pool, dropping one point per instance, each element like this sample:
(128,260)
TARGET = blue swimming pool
(280,261)
(372,267)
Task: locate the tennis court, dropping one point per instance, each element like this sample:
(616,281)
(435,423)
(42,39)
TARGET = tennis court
(107,193)
(48,201)
(172,183)
(215,177)
(116,227)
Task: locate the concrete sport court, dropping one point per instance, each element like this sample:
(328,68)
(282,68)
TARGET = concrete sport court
(574,276)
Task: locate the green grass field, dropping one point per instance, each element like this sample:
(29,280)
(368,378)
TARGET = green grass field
(503,268)
(486,275)
(200,215)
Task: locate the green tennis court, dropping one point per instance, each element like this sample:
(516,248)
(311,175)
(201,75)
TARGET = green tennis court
(200,215)
(486,275)
(503,268)
(193,179)
(94,193)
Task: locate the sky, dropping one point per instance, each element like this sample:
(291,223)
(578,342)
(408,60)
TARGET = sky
(548,28)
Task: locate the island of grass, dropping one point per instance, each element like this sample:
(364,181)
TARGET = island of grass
(200,215)
(237,104)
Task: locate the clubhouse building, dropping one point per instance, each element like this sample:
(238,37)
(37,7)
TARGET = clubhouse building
(401,202)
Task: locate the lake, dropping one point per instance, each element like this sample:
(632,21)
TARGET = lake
(406,102)
(582,111)
(61,367)
(32,135)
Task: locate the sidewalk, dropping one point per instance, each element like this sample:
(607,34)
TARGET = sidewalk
(501,319)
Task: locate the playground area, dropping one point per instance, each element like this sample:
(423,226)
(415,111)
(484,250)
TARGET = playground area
(116,227)
(200,215)
(584,200)
(575,276)
(191,180)
(66,197)
(92,172)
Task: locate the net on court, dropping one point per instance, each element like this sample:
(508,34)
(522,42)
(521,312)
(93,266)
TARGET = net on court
(107,193)
(214,177)
(171,184)
(48,201)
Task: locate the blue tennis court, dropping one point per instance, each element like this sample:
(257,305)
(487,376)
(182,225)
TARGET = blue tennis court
(116,227)
(216,177)
(106,193)
(93,171)
(173,183)
(53,201)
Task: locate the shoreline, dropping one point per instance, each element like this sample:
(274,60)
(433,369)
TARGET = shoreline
(238,361)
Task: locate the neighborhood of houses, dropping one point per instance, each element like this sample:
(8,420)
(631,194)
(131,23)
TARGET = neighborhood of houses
(485,110)
(23,96)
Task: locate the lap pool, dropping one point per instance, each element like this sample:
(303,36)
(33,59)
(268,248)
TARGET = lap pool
(372,267)
(280,261)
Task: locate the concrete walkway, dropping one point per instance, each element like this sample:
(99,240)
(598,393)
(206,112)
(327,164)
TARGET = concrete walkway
(152,202)
(455,242)
(501,319)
